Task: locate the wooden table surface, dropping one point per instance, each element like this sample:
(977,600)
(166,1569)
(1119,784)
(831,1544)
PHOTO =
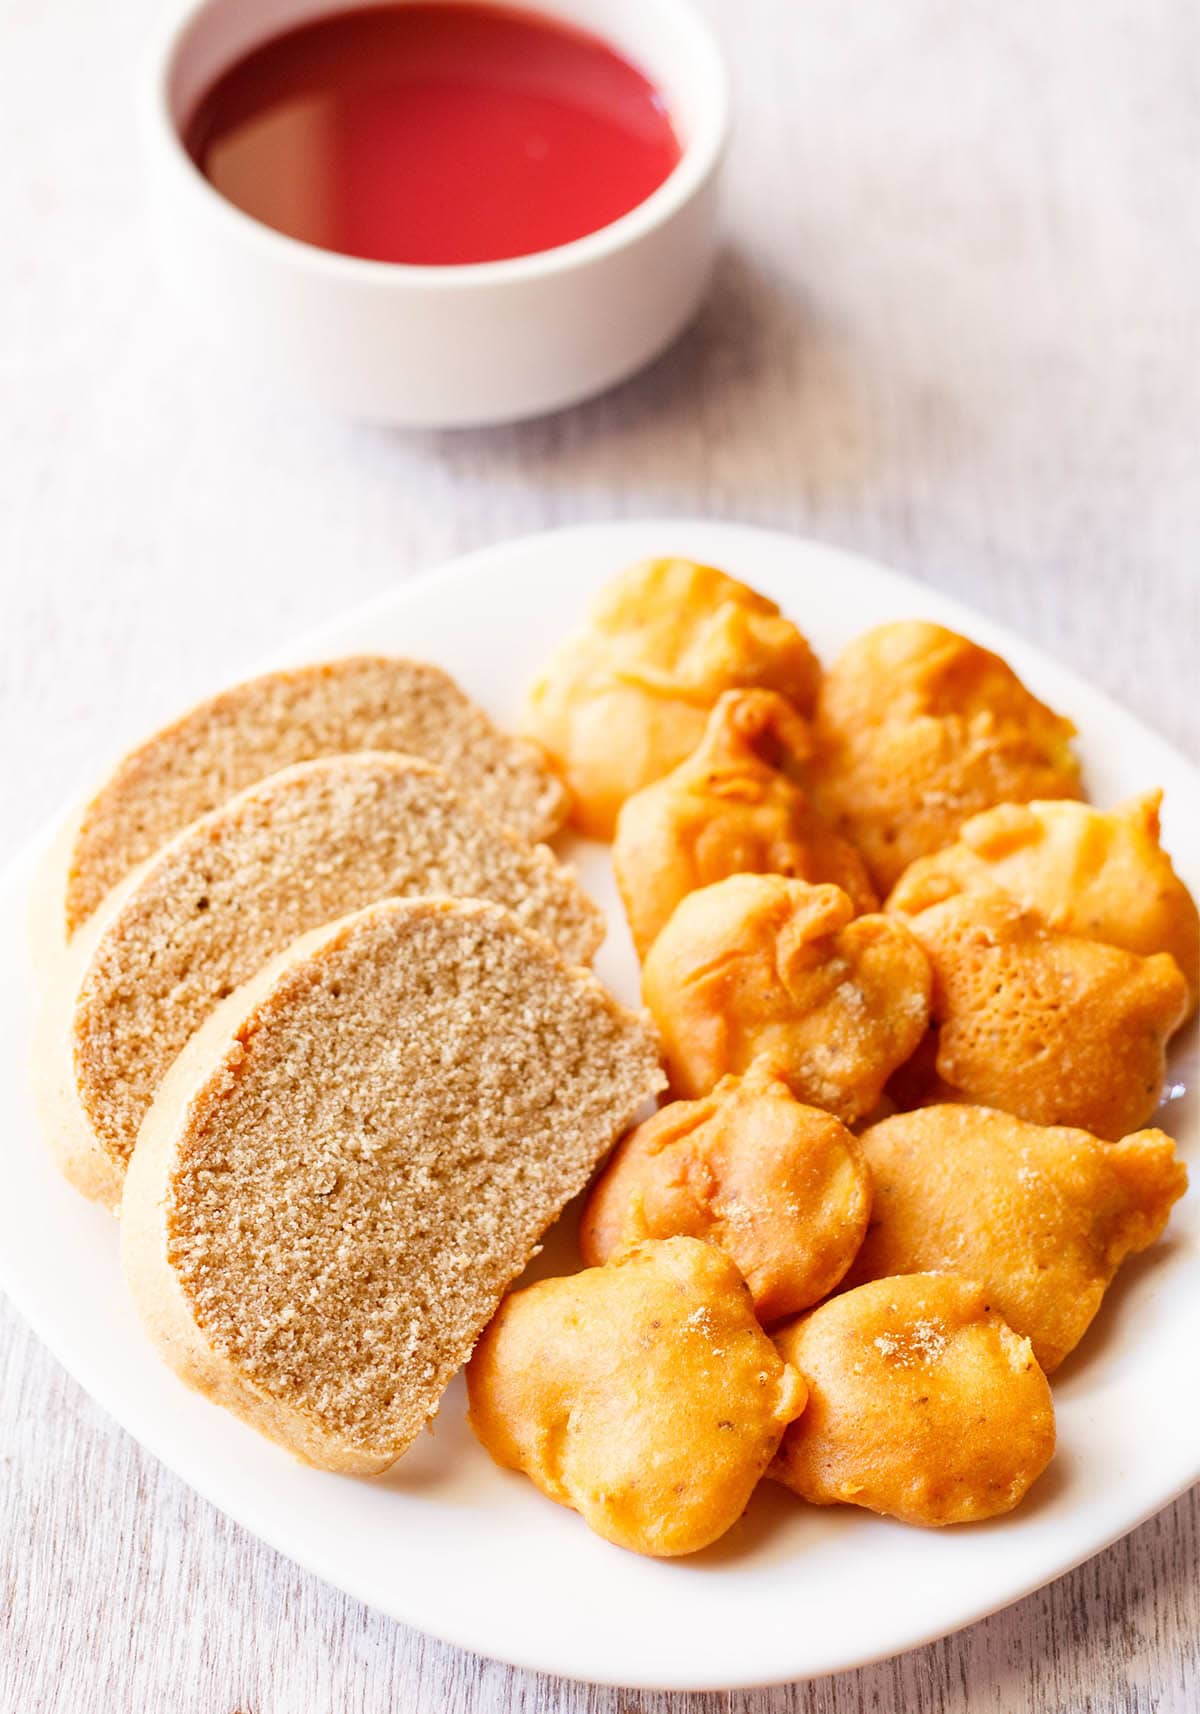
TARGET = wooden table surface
(955,326)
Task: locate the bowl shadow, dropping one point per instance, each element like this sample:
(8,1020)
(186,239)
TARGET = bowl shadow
(759,370)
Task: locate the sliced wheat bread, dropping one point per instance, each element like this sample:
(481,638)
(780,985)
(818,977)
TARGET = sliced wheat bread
(292,852)
(364,702)
(357,1154)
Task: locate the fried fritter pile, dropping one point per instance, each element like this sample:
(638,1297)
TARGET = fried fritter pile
(626,698)
(780,1187)
(1014,1000)
(736,805)
(923,1404)
(644,1394)
(1043,1216)
(1100,874)
(758,966)
(918,729)
(1053,1028)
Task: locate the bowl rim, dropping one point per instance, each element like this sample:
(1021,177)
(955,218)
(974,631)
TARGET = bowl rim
(699,159)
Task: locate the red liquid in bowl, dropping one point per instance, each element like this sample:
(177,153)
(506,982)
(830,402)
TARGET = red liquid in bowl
(434,134)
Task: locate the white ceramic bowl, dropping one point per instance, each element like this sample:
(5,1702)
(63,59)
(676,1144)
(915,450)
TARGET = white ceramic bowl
(440,346)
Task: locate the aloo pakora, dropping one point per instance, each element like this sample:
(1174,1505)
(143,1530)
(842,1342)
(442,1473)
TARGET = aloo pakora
(923,1404)
(1043,1216)
(1102,874)
(758,966)
(643,1395)
(919,729)
(736,805)
(625,699)
(780,1187)
(1050,1027)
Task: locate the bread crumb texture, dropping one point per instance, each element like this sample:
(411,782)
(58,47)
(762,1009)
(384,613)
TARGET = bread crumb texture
(295,851)
(364,702)
(376,1154)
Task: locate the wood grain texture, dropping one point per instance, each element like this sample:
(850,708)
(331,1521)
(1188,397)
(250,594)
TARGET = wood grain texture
(955,326)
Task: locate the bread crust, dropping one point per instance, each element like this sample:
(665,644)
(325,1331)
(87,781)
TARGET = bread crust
(65,1127)
(198,1084)
(157,1293)
(253,729)
(320,838)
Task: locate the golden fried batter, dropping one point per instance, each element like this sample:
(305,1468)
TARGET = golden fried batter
(919,728)
(759,966)
(644,1395)
(1091,872)
(625,699)
(1058,1030)
(923,1404)
(736,805)
(780,1187)
(1043,1216)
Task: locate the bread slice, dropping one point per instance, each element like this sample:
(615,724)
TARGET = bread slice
(357,1154)
(364,702)
(292,852)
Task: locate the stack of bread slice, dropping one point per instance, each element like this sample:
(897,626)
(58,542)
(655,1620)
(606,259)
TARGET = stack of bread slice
(319,1026)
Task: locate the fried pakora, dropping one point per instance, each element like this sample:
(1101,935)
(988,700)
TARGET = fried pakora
(780,1187)
(758,966)
(1102,874)
(1042,1215)
(1055,1029)
(918,729)
(625,699)
(923,1403)
(644,1394)
(736,805)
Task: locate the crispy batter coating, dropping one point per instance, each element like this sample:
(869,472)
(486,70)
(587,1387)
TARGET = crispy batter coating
(780,1187)
(736,805)
(923,1404)
(625,699)
(644,1395)
(1102,874)
(1043,1216)
(919,728)
(760,966)
(1058,1030)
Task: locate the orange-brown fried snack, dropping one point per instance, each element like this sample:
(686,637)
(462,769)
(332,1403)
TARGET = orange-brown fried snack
(923,1404)
(1055,1029)
(1043,1216)
(919,728)
(780,1187)
(644,1395)
(1102,874)
(736,805)
(757,966)
(626,698)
